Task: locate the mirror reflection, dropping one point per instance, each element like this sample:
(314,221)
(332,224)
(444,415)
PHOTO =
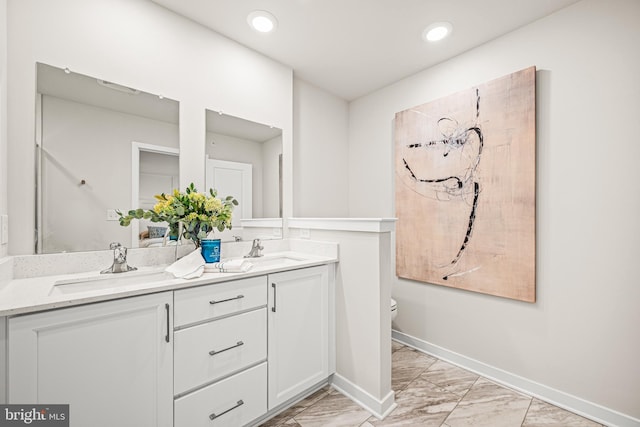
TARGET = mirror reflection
(244,159)
(101,147)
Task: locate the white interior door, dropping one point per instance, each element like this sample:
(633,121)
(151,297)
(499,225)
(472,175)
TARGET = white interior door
(232,179)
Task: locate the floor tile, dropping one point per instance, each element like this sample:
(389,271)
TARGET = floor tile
(542,414)
(333,410)
(449,377)
(395,346)
(406,365)
(285,416)
(431,392)
(491,405)
(421,403)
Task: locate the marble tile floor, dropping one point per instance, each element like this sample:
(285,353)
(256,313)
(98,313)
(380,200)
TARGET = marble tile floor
(431,392)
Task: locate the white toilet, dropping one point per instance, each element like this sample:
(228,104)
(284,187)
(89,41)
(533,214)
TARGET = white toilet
(394,309)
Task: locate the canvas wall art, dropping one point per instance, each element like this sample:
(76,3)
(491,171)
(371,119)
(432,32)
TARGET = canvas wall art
(465,189)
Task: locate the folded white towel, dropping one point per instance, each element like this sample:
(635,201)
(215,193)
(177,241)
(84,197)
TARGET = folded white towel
(229,266)
(188,267)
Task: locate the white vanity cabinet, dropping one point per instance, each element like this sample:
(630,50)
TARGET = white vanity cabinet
(217,354)
(220,373)
(298,332)
(112,362)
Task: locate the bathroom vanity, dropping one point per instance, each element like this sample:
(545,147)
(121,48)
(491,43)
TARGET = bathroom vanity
(225,349)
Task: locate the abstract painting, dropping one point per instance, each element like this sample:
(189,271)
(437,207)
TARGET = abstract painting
(465,189)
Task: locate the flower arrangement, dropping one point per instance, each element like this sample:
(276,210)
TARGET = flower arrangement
(199,213)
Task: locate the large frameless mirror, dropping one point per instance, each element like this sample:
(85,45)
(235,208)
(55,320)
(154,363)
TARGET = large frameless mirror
(101,147)
(244,159)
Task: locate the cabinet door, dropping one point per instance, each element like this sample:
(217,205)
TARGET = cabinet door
(298,352)
(112,362)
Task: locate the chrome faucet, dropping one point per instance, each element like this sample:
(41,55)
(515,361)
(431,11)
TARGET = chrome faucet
(119,260)
(255,249)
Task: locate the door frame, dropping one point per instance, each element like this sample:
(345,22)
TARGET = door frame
(136,148)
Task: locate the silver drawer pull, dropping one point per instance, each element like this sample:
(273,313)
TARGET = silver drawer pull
(213,352)
(214,416)
(226,300)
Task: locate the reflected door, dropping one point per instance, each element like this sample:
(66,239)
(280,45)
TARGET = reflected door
(232,179)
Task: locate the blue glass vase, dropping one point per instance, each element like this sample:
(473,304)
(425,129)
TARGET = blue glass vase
(210,249)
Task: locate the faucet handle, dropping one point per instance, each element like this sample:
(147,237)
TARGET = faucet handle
(119,260)
(119,252)
(256,247)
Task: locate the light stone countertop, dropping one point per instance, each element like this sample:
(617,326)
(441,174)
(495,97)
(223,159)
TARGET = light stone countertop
(28,295)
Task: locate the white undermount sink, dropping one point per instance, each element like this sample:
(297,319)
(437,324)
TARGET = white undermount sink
(97,282)
(108,281)
(274,261)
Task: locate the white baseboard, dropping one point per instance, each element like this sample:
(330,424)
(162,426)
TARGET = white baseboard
(548,394)
(379,408)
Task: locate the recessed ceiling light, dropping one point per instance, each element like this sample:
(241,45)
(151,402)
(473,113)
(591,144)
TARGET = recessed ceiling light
(262,21)
(437,31)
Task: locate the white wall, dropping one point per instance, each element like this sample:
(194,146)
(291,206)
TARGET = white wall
(138,44)
(3,174)
(3,116)
(581,336)
(164,167)
(362,302)
(321,153)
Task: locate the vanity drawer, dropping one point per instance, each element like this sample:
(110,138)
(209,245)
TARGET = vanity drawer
(209,351)
(220,299)
(234,401)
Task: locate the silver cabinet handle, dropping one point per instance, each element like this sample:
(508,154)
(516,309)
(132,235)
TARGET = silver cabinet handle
(273,285)
(214,352)
(214,416)
(226,300)
(166,307)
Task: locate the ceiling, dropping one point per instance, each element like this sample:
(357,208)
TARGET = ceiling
(353,47)
(76,87)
